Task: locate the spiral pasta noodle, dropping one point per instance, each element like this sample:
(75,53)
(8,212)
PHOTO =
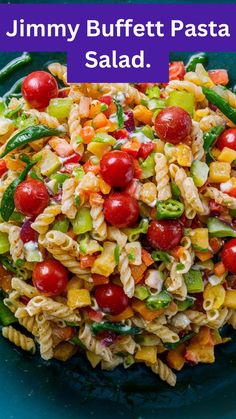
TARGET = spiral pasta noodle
(44,337)
(43,221)
(162,177)
(125,274)
(20,340)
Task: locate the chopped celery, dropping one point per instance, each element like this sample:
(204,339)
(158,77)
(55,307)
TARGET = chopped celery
(4,243)
(60,107)
(159,301)
(16,216)
(60,177)
(6,316)
(199,171)
(78,173)
(53,186)
(133,233)
(148,166)
(49,162)
(148,132)
(218,228)
(153,92)
(147,340)
(25,121)
(141,292)
(103,137)
(184,305)
(61,225)
(83,221)
(182,99)
(155,104)
(208,264)
(194,282)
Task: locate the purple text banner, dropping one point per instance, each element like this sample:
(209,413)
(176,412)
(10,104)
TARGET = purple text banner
(117,43)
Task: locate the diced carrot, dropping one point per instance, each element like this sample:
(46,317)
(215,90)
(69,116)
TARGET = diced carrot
(99,121)
(219,269)
(5,280)
(203,256)
(204,336)
(177,252)
(176,70)
(88,123)
(87,134)
(90,167)
(215,244)
(95,108)
(146,257)
(143,114)
(61,146)
(175,358)
(13,164)
(140,307)
(99,279)
(219,76)
(126,314)
(138,271)
(87,261)
(106,128)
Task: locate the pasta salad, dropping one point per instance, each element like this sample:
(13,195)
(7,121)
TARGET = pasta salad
(117,218)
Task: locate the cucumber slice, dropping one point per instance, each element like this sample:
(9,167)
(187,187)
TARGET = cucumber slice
(184,305)
(194,282)
(159,301)
(199,239)
(49,162)
(4,243)
(199,172)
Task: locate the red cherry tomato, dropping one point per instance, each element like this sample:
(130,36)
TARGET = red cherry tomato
(27,234)
(227,139)
(31,197)
(121,210)
(120,134)
(3,167)
(50,277)
(165,235)
(107,99)
(38,88)
(228,256)
(111,299)
(173,124)
(117,168)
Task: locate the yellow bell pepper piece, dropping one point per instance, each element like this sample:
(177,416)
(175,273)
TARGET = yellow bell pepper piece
(184,155)
(75,283)
(147,354)
(98,149)
(104,187)
(105,262)
(215,295)
(219,172)
(142,114)
(215,152)
(77,298)
(227,155)
(230,299)
(64,351)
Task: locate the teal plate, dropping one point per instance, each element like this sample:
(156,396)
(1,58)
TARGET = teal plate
(33,389)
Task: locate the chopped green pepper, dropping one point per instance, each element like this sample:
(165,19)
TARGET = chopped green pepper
(200,58)
(160,256)
(169,209)
(120,328)
(222,104)
(153,92)
(61,225)
(120,117)
(133,233)
(218,228)
(6,316)
(175,191)
(60,107)
(159,301)
(83,221)
(194,282)
(13,65)
(141,292)
(211,136)
(148,166)
(184,305)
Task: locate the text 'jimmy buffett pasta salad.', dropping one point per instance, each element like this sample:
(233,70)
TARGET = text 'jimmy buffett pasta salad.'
(118,216)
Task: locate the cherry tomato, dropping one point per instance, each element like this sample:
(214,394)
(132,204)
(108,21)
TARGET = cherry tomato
(74,158)
(27,234)
(117,168)
(3,167)
(121,210)
(165,235)
(107,99)
(228,256)
(176,70)
(31,197)
(227,139)
(38,88)
(50,277)
(173,124)
(120,134)
(111,299)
